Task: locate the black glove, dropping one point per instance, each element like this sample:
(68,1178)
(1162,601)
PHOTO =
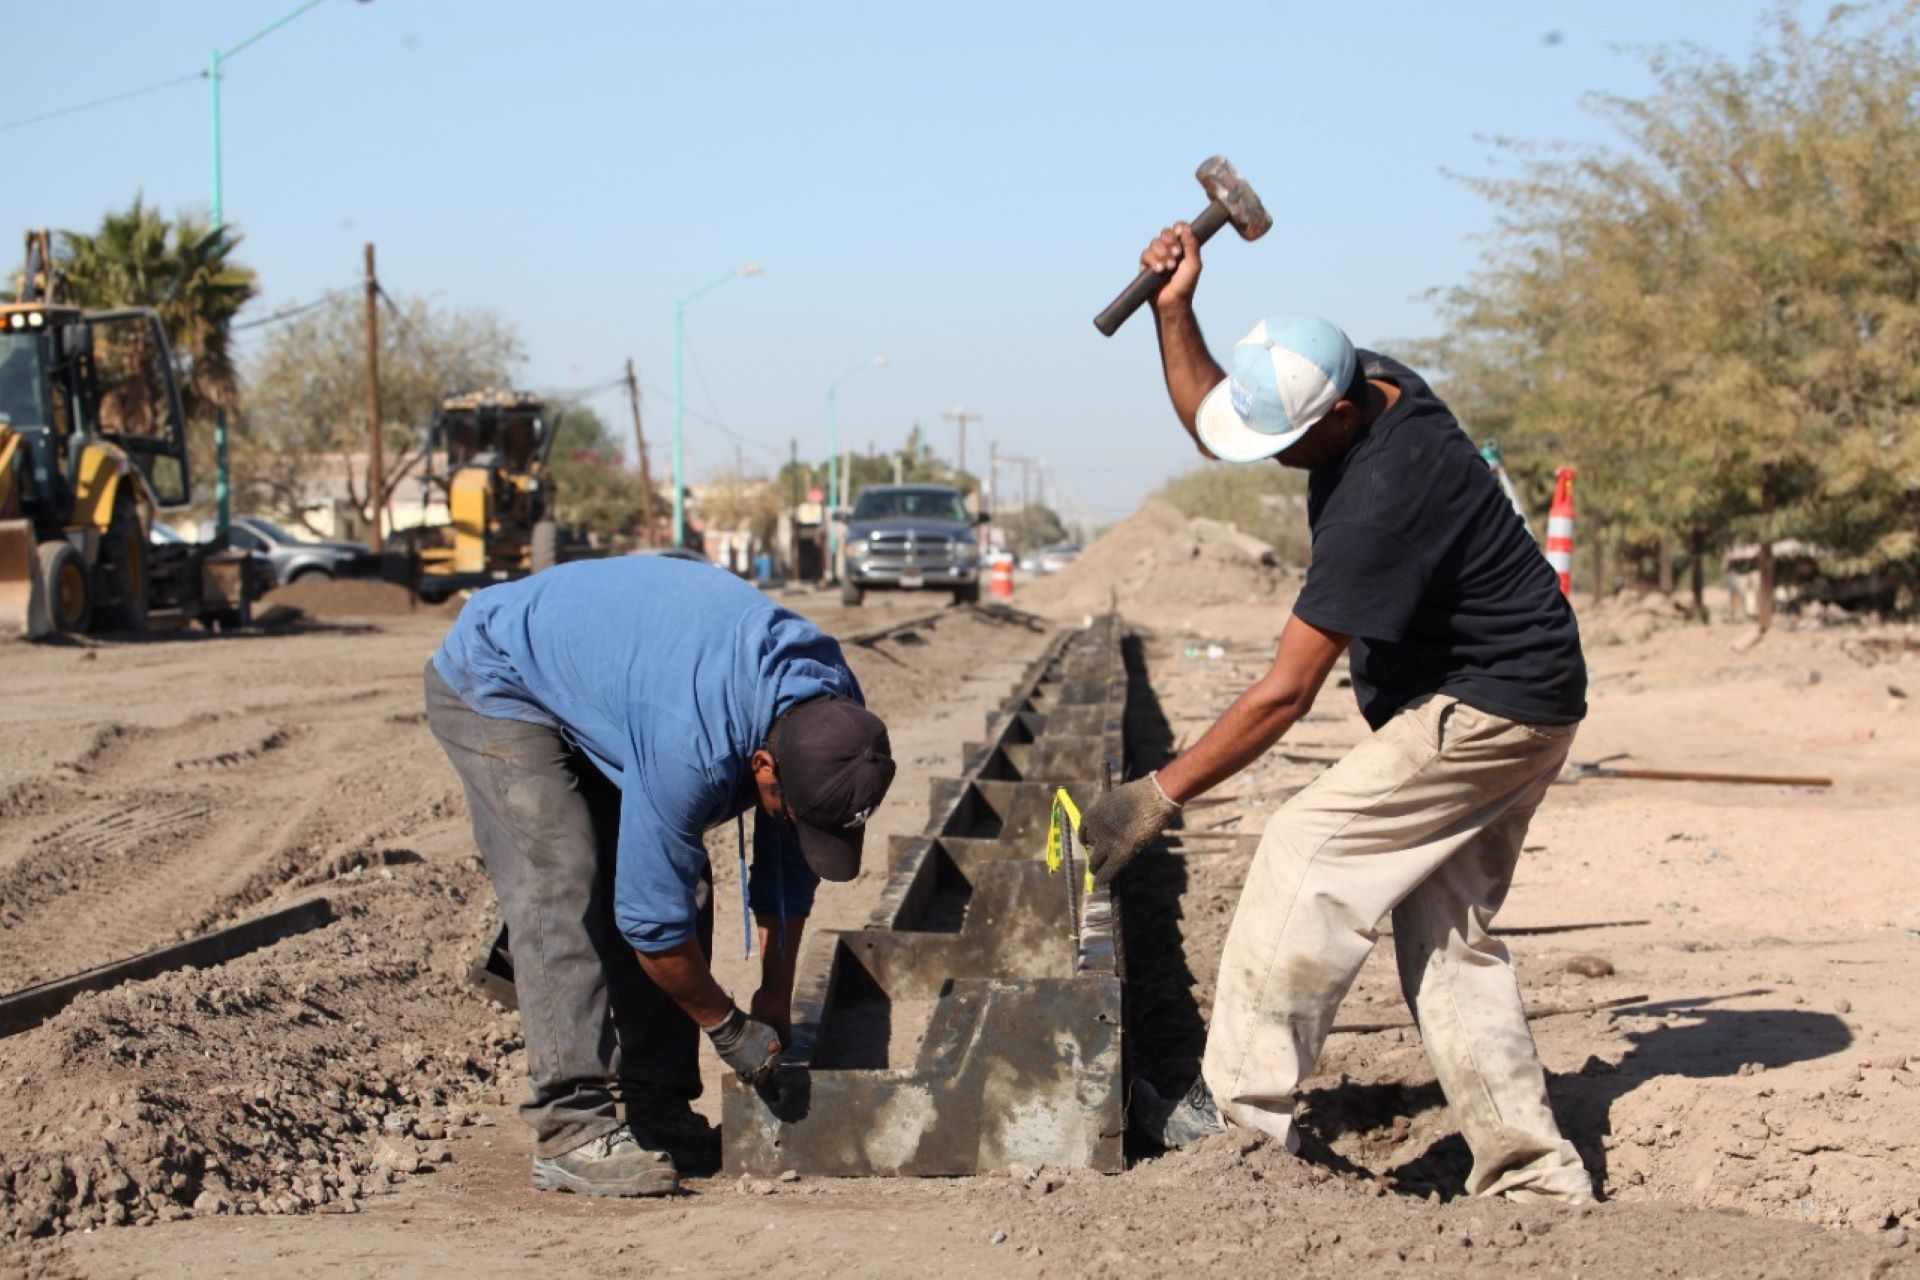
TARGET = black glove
(750,1048)
(1121,823)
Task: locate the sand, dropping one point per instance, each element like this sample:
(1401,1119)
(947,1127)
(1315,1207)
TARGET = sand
(342,1102)
(1158,562)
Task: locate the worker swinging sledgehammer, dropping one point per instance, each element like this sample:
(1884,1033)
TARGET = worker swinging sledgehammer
(1466,661)
(602,716)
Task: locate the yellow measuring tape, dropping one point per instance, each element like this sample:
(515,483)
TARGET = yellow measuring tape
(1063,826)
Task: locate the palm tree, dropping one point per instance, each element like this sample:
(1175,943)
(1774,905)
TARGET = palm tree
(185,272)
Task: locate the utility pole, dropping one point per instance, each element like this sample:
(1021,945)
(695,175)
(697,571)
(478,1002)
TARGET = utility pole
(740,509)
(376,461)
(1026,478)
(646,471)
(993,484)
(1026,466)
(960,418)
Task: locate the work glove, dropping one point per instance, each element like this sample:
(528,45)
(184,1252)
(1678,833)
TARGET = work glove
(1121,823)
(750,1048)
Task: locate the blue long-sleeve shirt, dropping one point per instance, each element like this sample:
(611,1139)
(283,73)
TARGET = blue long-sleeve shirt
(667,674)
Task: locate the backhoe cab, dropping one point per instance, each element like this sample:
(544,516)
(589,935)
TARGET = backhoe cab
(92,444)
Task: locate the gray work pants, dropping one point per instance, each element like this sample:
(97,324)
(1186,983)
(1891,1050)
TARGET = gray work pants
(547,820)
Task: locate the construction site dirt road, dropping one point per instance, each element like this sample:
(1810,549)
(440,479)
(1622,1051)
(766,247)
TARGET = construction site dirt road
(341,1102)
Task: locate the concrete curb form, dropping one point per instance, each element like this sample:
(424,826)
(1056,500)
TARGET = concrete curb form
(967,1027)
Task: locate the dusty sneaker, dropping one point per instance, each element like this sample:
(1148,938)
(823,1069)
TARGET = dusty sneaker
(1175,1124)
(613,1164)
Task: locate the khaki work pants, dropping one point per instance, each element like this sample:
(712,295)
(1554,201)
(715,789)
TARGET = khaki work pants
(1425,820)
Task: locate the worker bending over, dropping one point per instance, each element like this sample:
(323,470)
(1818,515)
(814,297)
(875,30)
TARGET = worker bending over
(602,716)
(1467,665)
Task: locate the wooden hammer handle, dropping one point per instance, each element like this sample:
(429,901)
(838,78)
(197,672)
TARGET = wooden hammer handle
(1688,775)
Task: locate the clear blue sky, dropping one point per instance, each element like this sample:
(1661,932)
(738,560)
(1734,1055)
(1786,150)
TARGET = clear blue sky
(958,186)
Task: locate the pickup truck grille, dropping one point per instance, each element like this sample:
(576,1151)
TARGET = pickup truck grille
(906,549)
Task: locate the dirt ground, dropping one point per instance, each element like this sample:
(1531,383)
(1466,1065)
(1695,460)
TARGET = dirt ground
(341,1102)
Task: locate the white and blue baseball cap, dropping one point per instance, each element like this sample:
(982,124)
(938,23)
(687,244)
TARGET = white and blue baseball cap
(1286,374)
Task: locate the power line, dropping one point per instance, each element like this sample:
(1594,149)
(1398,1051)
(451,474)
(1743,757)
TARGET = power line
(713,401)
(405,327)
(715,423)
(109,100)
(721,427)
(586,392)
(400,319)
(290,312)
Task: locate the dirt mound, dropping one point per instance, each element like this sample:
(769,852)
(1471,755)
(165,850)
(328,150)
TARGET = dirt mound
(349,598)
(259,1087)
(1157,560)
(1629,616)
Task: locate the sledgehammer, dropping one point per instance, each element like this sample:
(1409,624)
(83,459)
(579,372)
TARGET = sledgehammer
(1229,199)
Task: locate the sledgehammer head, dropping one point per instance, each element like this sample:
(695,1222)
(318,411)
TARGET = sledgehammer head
(1230,191)
(1229,199)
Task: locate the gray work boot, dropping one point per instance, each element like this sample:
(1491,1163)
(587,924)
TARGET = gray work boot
(612,1164)
(1175,1124)
(665,1122)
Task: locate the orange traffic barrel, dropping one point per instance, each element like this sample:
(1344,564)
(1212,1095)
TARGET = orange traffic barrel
(1001,581)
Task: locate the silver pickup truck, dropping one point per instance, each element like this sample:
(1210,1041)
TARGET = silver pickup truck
(911,537)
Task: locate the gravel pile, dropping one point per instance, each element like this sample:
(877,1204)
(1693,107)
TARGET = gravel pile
(303,1078)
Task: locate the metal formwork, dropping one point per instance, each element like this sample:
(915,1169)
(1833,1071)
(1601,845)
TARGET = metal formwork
(968,1026)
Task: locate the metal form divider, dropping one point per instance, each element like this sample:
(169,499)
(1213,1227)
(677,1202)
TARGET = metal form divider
(968,1026)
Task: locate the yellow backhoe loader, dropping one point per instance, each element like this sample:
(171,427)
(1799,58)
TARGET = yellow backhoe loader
(92,445)
(486,457)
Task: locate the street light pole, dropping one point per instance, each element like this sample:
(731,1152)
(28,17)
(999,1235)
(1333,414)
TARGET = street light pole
(222,486)
(836,496)
(679,396)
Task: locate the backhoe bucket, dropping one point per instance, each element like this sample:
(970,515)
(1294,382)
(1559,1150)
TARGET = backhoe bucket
(22,606)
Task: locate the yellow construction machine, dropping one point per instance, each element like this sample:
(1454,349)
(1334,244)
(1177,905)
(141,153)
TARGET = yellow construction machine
(92,445)
(486,457)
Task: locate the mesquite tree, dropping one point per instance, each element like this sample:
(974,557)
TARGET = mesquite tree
(1717,318)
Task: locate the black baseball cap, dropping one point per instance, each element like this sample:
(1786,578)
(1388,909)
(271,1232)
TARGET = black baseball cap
(835,765)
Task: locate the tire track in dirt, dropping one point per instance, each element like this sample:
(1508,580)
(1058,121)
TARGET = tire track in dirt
(174,828)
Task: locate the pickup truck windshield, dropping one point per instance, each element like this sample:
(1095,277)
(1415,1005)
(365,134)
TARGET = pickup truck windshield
(926,504)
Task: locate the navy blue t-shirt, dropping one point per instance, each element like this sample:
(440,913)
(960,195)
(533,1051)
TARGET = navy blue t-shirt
(1419,556)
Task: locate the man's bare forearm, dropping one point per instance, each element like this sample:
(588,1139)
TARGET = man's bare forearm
(1259,717)
(684,974)
(1190,368)
(777,963)
(1246,731)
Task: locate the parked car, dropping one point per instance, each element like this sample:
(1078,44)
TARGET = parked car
(293,559)
(910,537)
(1056,556)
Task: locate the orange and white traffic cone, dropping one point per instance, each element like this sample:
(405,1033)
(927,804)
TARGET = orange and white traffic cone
(1001,579)
(1560,529)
